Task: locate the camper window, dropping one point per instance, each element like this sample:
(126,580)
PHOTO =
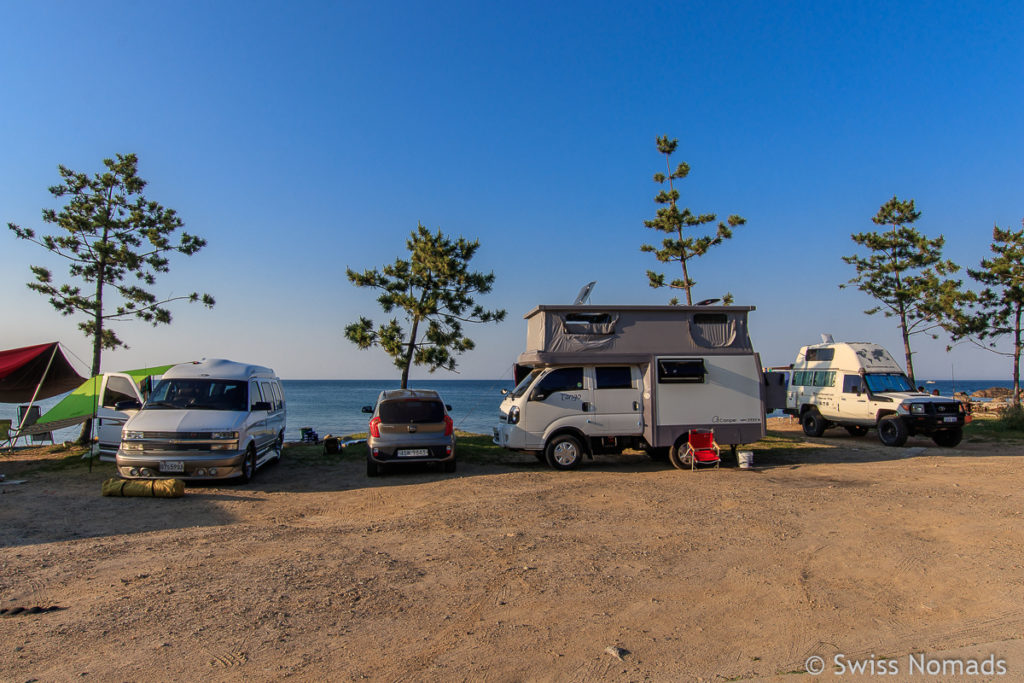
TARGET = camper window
(562,379)
(821,354)
(614,377)
(851,384)
(681,370)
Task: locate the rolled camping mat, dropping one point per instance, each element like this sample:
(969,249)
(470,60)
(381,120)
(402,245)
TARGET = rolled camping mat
(152,488)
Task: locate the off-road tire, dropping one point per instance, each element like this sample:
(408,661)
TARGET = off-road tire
(948,438)
(812,422)
(892,431)
(564,452)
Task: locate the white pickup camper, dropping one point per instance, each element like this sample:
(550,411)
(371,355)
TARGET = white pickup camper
(857,386)
(599,379)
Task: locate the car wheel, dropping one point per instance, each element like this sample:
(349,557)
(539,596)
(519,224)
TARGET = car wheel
(249,465)
(564,452)
(892,431)
(678,456)
(449,466)
(812,422)
(856,430)
(372,468)
(948,438)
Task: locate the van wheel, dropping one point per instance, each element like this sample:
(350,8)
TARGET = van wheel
(564,452)
(372,469)
(812,422)
(948,438)
(892,431)
(856,430)
(249,465)
(678,457)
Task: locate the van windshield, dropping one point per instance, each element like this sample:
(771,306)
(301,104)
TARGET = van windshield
(525,384)
(881,382)
(198,394)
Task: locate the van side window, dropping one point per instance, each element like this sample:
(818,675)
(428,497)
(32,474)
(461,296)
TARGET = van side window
(681,370)
(851,384)
(255,395)
(278,395)
(614,377)
(562,379)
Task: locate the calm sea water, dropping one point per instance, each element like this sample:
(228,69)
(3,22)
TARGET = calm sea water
(333,406)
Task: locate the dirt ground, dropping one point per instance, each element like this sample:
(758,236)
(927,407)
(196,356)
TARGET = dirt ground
(625,569)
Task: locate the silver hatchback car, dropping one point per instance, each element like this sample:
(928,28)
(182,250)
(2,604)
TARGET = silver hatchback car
(409,425)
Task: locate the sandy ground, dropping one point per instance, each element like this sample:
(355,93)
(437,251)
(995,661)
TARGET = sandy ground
(509,571)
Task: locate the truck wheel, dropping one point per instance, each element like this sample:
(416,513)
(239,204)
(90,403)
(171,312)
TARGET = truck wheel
(892,431)
(249,465)
(948,438)
(812,422)
(856,430)
(564,452)
(677,455)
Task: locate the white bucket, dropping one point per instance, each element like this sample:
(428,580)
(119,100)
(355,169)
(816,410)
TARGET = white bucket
(746,459)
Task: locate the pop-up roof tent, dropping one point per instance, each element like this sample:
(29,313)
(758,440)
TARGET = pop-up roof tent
(35,372)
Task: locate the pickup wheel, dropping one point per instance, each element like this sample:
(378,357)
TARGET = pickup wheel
(892,431)
(249,465)
(812,422)
(677,455)
(856,430)
(948,438)
(564,452)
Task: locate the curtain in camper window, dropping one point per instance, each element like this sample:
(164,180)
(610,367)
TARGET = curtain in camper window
(713,330)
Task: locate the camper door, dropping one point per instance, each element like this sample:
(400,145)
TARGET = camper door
(618,401)
(116,387)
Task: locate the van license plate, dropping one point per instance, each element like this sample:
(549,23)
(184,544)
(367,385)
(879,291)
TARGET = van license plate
(949,419)
(413,453)
(172,466)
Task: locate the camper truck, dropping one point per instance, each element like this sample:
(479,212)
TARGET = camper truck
(858,386)
(213,419)
(598,379)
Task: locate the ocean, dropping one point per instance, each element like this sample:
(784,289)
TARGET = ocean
(333,406)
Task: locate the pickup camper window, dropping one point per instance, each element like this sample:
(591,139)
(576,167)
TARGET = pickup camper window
(562,379)
(620,377)
(814,378)
(821,354)
(681,370)
(851,384)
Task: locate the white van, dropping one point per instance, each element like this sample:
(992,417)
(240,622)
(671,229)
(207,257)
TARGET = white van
(213,419)
(858,386)
(601,379)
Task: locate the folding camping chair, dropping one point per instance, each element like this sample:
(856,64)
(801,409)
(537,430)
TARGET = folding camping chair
(701,448)
(6,435)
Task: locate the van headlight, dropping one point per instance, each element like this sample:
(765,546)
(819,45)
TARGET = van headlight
(513,415)
(131,446)
(133,435)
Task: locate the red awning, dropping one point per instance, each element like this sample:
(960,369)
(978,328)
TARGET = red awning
(43,367)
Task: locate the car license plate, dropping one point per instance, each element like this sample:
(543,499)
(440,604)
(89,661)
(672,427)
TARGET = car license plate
(949,419)
(172,466)
(413,453)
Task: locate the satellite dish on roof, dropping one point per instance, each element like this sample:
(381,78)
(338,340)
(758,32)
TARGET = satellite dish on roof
(708,302)
(584,295)
(827,339)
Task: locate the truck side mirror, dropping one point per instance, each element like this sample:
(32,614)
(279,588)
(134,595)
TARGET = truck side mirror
(538,395)
(130,404)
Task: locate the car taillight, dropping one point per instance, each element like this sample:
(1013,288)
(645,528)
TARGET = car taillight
(375,427)
(449,425)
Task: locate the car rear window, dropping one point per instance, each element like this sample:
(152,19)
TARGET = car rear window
(412,410)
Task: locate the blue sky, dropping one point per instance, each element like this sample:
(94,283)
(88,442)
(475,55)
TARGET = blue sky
(301,138)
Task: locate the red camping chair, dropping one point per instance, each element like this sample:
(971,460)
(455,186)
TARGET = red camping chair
(701,448)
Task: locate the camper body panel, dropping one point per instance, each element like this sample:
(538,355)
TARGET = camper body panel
(634,376)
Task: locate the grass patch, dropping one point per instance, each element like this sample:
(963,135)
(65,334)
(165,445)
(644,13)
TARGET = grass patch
(1006,425)
(476,448)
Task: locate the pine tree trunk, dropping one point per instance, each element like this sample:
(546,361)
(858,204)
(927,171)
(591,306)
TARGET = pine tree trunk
(409,353)
(1016,359)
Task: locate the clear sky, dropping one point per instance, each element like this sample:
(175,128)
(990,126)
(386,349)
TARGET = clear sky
(300,138)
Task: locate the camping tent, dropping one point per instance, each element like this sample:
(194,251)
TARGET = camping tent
(35,372)
(81,404)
